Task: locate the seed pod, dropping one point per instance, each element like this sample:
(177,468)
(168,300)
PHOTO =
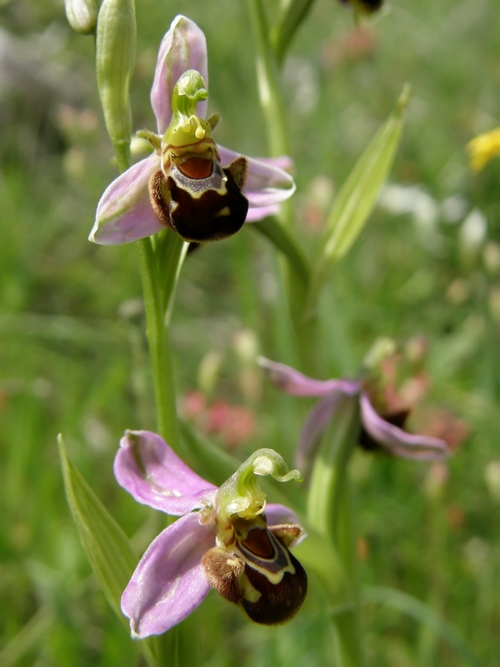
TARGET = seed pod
(81,15)
(115,62)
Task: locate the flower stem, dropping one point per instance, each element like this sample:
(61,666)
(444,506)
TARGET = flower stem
(285,242)
(159,345)
(273,108)
(329,509)
(267,80)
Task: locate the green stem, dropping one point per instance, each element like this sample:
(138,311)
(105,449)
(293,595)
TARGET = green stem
(428,641)
(294,274)
(329,510)
(348,638)
(289,21)
(268,83)
(285,242)
(159,346)
(158,283)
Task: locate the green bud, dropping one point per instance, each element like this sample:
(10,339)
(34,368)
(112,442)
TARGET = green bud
(81,15)
(241,493)
(115,62)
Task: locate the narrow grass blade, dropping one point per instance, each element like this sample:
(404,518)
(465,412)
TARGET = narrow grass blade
(27,638)
(422,613)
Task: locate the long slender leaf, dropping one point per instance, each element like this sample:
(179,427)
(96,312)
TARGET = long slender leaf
(106,545)
(356,198)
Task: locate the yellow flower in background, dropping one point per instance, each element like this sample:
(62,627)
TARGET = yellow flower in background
(483,148)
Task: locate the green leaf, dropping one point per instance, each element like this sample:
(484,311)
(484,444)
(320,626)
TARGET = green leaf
(422,613)
(292,14)
(106,545)
(357,198)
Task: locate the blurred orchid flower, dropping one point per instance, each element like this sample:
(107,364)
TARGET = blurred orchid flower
(201,190)
(223,539)
(379,431)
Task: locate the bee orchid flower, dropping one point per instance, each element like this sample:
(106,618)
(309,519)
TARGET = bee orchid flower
(378,431)
(203,191)
(227,538)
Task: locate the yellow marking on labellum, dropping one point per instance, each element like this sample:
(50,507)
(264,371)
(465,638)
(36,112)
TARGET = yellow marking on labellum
(224,212)
(250,592)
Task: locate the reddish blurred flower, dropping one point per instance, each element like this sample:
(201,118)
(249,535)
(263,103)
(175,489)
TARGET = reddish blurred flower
(233,424)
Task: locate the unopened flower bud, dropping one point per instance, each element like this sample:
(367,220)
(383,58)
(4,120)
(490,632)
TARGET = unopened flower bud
(81,15)
(115,62)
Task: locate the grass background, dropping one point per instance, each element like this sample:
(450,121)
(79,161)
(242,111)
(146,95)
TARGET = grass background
(73,357)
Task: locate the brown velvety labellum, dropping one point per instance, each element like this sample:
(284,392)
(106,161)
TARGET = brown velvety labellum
(278,602)
(209,216)
(223,570)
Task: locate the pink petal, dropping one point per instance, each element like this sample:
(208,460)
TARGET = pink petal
(154,475)
(183,47)
(124,212)
(280,514)
(397,441)
(282,162)
(169,582)
(267,184)
(315,424)
(277,514)
(298,384)
(257,214)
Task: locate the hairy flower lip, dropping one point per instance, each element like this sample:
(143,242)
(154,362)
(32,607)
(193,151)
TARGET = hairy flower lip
(125,213)
(169,581)
(391,438)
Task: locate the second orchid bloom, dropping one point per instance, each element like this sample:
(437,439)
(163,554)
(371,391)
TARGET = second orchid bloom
(226,538)
(383,431)
(201,190)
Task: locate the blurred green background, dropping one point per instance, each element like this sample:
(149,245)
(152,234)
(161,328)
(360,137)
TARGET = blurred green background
(73,357)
